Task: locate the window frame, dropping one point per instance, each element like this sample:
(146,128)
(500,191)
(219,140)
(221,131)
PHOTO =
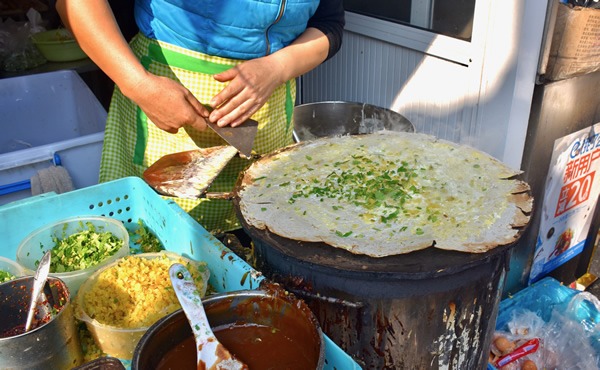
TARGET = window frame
(428,42)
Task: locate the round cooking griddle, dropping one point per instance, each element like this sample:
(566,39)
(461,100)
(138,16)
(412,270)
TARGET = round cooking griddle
(420,264)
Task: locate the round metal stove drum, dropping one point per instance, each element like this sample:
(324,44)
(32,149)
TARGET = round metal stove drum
(429,309)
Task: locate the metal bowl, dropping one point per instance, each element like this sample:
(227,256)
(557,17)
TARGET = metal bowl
(272,308)
(335,118)
(53,345)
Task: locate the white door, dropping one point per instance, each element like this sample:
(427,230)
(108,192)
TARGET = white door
(469,81)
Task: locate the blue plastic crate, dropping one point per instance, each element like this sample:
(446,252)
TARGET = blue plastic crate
(130,200)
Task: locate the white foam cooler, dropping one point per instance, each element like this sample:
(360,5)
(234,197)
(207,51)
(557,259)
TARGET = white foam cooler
(48,119)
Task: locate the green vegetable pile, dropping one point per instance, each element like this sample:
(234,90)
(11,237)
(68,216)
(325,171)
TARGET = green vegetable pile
(6,276)
(82,249)
(145,239)
(383,184)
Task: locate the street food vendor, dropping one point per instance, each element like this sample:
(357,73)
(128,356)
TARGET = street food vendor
(240,57)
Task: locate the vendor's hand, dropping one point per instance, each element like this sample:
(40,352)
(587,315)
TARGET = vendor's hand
(169,105)
(250,85)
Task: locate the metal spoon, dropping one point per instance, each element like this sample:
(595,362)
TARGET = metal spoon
(211,354)
(39,280)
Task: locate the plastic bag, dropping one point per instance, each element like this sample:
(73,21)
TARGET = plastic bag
(17,52)
(565,322)
(574,332)
(524,327)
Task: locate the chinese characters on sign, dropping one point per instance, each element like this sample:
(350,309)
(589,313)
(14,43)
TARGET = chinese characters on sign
(570,197)
(578,180)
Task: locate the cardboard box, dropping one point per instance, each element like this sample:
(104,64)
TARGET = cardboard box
(575,46)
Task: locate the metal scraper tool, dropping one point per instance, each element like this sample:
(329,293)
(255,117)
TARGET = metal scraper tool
(240,137)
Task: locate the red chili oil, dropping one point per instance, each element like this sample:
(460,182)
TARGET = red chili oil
(24,307)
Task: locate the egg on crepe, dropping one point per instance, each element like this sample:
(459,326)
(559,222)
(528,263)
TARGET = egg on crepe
(386,193)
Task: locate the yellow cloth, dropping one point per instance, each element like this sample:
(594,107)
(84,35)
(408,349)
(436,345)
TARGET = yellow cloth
(132,142)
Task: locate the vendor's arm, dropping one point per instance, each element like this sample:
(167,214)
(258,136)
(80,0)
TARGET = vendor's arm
(166,103)
(252,82)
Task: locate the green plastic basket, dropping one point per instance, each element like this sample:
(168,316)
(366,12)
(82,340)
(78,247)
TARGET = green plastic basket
(130,200)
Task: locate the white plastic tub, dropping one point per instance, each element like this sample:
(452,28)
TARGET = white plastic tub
(46,118)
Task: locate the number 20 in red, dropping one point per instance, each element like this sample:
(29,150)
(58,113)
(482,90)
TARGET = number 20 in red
(574,193)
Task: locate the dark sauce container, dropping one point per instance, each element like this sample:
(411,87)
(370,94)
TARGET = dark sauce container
(287,316)
(53,341)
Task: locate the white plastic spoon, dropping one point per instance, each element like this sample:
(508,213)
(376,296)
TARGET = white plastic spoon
(211,354)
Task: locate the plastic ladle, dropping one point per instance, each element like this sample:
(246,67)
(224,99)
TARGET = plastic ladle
(211,354)
(39,281)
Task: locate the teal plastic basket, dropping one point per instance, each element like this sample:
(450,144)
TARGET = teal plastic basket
(130,200)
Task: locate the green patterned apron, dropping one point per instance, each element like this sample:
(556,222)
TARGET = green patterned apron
(132,142)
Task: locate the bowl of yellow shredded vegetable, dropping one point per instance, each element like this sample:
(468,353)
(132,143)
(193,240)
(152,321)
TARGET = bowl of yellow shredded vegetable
(120,301)
(79,246)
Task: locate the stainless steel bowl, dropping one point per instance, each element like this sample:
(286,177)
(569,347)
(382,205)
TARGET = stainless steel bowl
(53,345)
(335,118)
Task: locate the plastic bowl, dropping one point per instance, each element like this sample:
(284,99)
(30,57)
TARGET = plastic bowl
(12,267)
(33,247)
(58,45)
(113,340)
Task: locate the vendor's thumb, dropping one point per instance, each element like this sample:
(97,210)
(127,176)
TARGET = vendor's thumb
(199,123)
(199,120)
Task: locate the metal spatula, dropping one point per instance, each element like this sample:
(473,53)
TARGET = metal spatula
(240,137)
(188,174)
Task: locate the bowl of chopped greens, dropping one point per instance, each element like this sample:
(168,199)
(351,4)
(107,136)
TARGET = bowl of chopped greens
(9,270)
(79,246)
